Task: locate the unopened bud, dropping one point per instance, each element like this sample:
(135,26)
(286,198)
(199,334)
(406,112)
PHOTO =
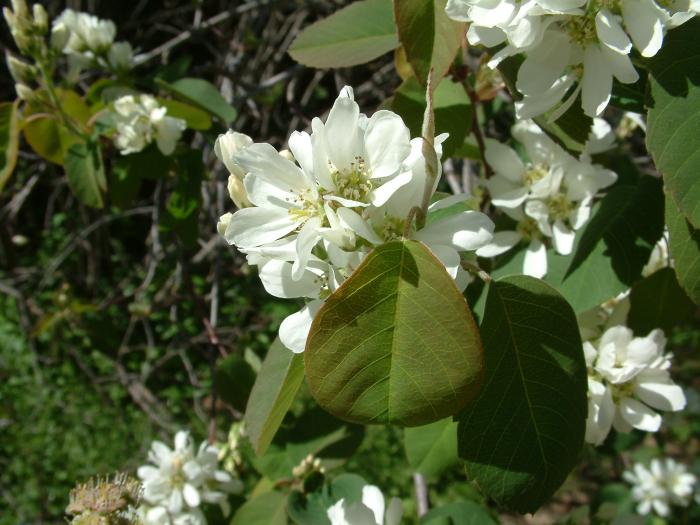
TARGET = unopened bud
(59,36)
(10,18)
(41,19)
(20,8)
(223,223)
(24,92)
(237,192)
(21,71)
(19,240)
(23,41)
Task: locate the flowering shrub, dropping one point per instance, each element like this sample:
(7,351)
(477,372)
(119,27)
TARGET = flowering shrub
(503,318)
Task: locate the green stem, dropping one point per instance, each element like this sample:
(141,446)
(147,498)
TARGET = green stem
(53,97)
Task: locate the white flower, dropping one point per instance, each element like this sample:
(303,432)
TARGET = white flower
(225,147)
(569,41)
(317,210)
(550,196)
(181,479)
(632,373)
(140,120)
(120,56)
(85,32)
(660,256)
(370,511)
(664,484)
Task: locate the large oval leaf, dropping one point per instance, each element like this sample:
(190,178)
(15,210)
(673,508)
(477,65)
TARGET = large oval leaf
(269,508)
(275,388)
(522,435)
(432,449)
(354,35)
(673,136)
(396,343)
(428,36)
(685,249)
(658,302)
(85,173)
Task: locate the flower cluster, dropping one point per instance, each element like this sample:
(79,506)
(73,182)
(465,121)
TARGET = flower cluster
(663,484)
(370,511)
(567,42)
(86,39)
(180,480)
(105,500)
(141,120)
(319,208)
(628,379)
(550,195)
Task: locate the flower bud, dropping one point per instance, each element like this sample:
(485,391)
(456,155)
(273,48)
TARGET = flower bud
(24,92)
(222,225)
(10,18)
(60,33)
(121,56)
(23,42)
(227,146)
(237,192)
(286,154)
(41,19)
(21,71)
(20,8)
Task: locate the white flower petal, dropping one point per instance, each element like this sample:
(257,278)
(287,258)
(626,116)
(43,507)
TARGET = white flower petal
(502,242)
(255,226)
(638,415)
(264,162)
(306,240)
(295,328)
(660,395)
(191,495)
(610,32)
(300,145)
(276,277)
(596,85)
(563,238)
(645,21)
(545,64)
(373,499)
(464,231)
(504,161)
(342,138)
(387,141)
(535,263)
(353,221)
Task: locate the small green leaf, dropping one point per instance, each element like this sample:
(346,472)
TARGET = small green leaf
(196,118)
(269,508)
(356,34)
(451,105)
(86,174)
(181,209)
(46,134)
(278,381)
(9,140)
(522,435)
(432,449)
(203,94)
(428,36)
(685,248)
(673,121)
(658,302)
(396,343)
(458,513)
(234,381)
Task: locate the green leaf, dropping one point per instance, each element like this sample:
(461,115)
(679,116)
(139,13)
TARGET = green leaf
(356,34)
(673,121)
(9,140)
(278,381)
(234,381)
(612,248)
(86,174)
(571,130)
(522,435)
(47,135)
(458,513)
(428,36)
(432,449)
(269,508)
(396,343)
(196,118)
(685,248)
(183,204)
(451,105)
(204,95)
(311,509)
(129,171)
(658,302)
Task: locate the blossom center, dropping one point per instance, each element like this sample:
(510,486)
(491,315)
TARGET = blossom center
(559,207)
(534,174)
(354,183)
(391,229)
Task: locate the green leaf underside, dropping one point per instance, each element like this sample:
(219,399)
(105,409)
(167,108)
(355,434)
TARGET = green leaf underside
(204,94)
(658,302)
(432,449)
(673,136)
(458,513)
(85,173)
(9,140)
(356,34)
(429,37)
(269,508)
(396,343)
(685,248)
(277,384)
(522,435)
